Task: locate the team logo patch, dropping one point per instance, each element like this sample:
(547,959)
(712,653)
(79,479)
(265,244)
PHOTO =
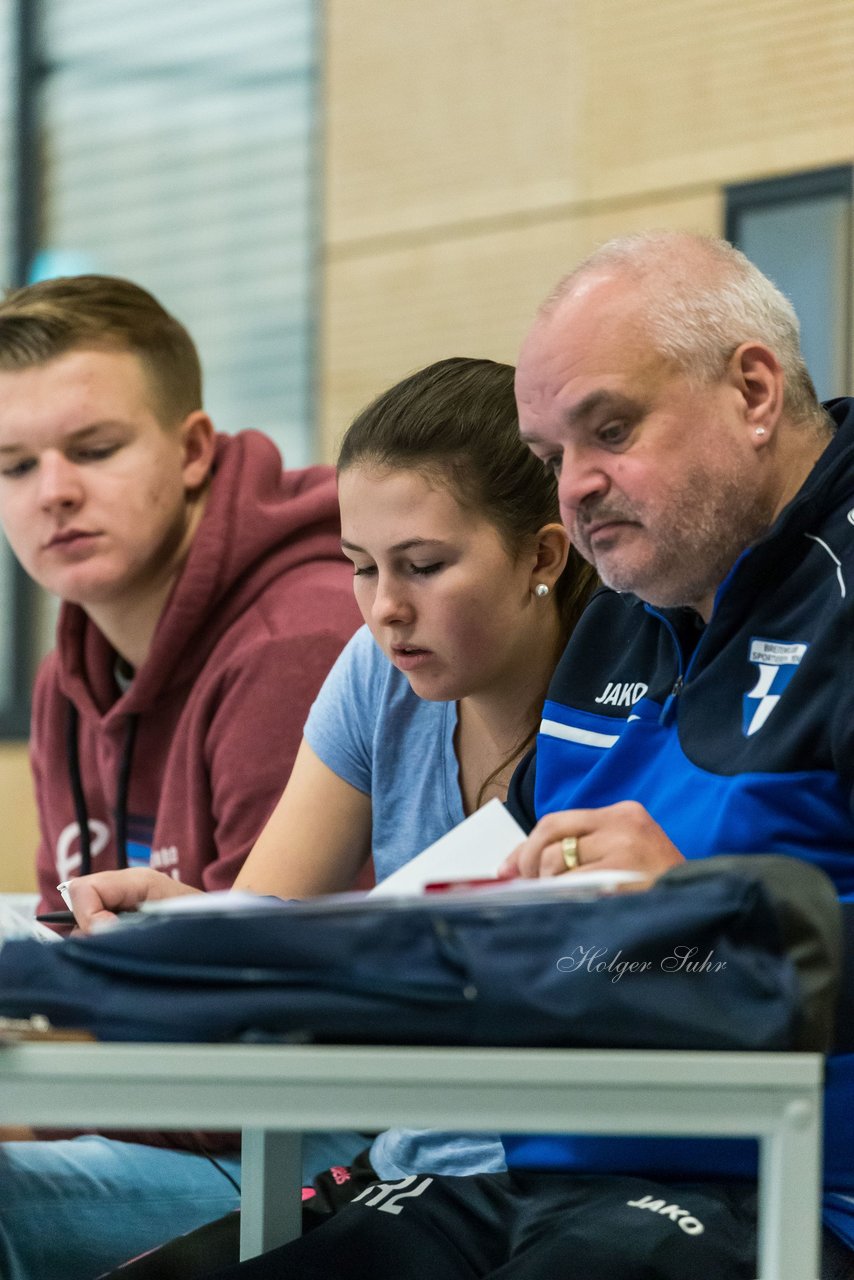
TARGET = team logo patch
(777,663)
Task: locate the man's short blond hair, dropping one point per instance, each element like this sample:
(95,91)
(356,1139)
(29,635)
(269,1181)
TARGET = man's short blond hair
(93,312)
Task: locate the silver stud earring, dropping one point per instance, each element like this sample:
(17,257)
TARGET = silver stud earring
(759,431)
(541,590)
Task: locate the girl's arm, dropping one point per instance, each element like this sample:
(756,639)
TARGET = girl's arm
(316,839)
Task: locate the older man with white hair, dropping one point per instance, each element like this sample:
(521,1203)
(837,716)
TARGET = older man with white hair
(704,704)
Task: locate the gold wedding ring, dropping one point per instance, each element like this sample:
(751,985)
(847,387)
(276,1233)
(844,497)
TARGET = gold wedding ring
(569,849)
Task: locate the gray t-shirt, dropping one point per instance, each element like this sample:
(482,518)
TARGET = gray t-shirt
(369,728)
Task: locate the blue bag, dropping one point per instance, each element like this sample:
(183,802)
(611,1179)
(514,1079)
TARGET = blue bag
(726,953)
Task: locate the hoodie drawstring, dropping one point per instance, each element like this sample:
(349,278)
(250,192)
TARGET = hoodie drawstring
(80,811)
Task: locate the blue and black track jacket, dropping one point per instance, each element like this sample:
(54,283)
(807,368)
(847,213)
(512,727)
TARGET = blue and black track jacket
(737,736)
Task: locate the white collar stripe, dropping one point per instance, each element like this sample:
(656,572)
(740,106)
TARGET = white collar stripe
(554,729)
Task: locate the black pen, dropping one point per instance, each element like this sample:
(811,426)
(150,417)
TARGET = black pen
(57,917)
(68,917)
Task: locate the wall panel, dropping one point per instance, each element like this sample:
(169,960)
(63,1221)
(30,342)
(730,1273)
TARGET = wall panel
(20,825)
(447,111)
(712,90)
(387,313)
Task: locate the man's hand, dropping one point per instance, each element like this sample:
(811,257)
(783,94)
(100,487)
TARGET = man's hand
(620,836)
(100,896)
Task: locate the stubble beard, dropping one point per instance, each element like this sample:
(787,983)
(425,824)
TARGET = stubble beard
(694,539)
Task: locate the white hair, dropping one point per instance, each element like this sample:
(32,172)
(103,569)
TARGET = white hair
(702,298)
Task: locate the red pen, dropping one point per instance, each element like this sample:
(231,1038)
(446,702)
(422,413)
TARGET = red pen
(450,886)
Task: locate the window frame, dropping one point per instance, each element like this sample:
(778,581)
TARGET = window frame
(22,606)
(810,184)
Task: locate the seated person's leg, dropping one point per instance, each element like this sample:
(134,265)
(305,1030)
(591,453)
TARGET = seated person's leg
(837,1260)
(606,1227)
(533,1227)
(75,1208)
(322,1151)
(107,1201)
(418,1228)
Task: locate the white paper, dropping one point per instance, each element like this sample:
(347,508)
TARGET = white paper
(578,884)
(216,900)
(475,848)
(16,922)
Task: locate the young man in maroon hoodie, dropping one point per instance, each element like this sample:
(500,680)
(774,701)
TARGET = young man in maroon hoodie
(204,598)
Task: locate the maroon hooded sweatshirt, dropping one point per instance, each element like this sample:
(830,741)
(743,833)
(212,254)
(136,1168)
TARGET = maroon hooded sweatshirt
(191,759)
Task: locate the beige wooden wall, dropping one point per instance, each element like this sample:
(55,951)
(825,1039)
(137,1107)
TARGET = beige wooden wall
(19,831)
(476,149)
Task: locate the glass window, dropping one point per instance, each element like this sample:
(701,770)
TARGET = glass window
(798,231)
(179,152)
(8,80)
(16,657)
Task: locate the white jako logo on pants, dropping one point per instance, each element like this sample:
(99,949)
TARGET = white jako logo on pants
(690,1225)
